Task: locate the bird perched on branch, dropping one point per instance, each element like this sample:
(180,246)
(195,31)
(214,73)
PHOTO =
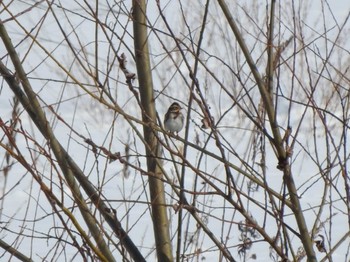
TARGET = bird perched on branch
(174,119)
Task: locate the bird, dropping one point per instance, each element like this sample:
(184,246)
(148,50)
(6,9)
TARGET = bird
(174,119)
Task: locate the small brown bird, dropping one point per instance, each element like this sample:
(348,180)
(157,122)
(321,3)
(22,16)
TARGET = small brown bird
(174,119)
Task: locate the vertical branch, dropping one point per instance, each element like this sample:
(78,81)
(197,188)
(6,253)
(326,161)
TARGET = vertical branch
(265,93)
(258,79)
(149,116)
(270,54)
(180,239)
